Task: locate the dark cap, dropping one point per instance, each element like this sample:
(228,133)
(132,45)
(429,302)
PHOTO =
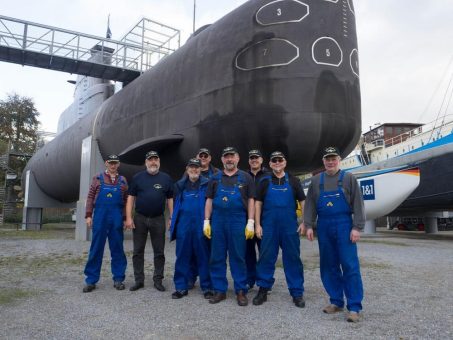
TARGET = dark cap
(229,150)
(277,154)
(151,153)
(194,162)
(112,159)
(255,152)
(330,151)
(204,150)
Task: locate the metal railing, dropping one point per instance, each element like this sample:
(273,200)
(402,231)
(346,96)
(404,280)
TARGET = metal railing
(138,50)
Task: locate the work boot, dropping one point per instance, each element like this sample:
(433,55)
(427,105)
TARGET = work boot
(241,298)
(217,297)
(208,294)
(299,301)
(331,309)
(353,317)
(159,286)
(179,294)
(89,288)
(261,297)
(119,285)
(136,286)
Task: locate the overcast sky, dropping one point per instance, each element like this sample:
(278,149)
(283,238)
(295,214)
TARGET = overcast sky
(405,49)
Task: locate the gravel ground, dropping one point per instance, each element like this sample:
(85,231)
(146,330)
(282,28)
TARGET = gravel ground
(407,281)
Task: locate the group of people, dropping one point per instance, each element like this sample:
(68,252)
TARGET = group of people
(217,213)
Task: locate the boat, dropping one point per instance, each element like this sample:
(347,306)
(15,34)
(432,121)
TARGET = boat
(428,147)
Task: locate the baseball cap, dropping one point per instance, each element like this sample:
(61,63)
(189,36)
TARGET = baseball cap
(204,150)
(255,152)
(194,162)
(277,154)
(152,153)
(112,159)
(330,151)
(229,150)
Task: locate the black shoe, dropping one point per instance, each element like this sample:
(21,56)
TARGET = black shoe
(217,297)
(208,294)
(159,286)
(136,286)
(89,288)
(179,294)
(261,297)
(299,301)
(119,285)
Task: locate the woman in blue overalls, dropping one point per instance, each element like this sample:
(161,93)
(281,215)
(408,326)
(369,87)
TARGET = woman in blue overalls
(278,228)
(187,229)
(107,197)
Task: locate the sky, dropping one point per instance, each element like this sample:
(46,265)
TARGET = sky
(405,50)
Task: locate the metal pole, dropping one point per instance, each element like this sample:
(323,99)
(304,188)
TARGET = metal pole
(194,8)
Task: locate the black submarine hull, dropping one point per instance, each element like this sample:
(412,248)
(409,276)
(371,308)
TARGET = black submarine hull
(273,75)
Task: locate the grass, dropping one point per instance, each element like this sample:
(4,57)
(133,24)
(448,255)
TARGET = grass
(49,231)
(9,295)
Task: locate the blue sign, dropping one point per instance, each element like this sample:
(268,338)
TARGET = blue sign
(368,189)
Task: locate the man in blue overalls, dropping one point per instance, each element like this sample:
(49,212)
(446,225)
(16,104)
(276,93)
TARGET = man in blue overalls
(257,171)
(104,214)
(229,202)
(335,199)
(187,228)
(207,171)
(276,226)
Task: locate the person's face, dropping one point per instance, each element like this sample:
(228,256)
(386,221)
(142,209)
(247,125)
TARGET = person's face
(152,165)
(112,167)
(255,162)
(193,172)
(204,158)
(278,164)
(331,164)
(230,161)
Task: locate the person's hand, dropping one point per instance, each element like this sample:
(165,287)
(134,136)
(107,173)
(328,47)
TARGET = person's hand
(259,231)
(207,229)
(169,223)
(355,236)
(129,223)
(89,222)
(309,232)
(301,230)
(250,229)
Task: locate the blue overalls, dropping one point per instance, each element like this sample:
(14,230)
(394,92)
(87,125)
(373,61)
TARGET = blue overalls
(229,218)
(191,245)
(340,270)
(107,223)
(279,223)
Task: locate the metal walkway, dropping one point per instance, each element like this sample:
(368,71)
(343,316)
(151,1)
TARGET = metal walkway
(37,45)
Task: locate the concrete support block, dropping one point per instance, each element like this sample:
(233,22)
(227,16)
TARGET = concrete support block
(370,227)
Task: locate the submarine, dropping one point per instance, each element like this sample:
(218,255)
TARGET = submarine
(274,75)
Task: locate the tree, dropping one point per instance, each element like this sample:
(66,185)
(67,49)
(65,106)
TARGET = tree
(19,123)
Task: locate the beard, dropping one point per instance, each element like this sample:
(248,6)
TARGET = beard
(152,169)
(230,166)
(194,178)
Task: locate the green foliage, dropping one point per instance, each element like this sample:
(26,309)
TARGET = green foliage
(19,123)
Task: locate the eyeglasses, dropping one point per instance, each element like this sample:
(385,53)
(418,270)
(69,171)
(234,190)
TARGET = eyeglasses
(203,155)
(277,160)
(253,157)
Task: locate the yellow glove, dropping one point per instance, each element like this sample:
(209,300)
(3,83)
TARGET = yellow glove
(250,229)
(207,229)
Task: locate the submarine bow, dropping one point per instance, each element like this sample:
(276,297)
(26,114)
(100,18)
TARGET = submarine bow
(274,75)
